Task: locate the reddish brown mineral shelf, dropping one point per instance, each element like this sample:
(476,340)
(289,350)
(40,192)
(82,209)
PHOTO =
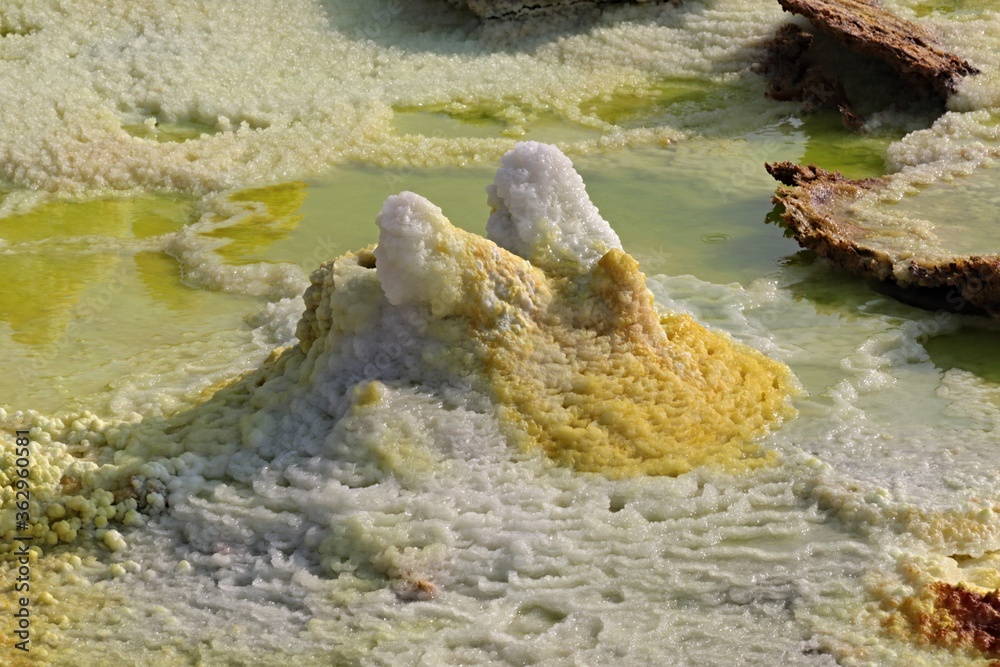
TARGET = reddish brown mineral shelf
(816,205)
(863,26)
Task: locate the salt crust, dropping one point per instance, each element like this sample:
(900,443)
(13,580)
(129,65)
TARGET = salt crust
(316,85)
(541,211)
(279,91)
(628,556)
(388,392)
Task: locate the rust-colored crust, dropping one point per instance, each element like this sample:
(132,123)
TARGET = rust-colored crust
(974,617)
(815,200)
(956,617)
(864,27)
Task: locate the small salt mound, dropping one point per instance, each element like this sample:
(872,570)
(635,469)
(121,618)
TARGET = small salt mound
(564,334)
(541,210)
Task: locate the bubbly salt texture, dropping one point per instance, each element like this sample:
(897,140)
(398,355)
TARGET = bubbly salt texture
(560,218)
(271,551)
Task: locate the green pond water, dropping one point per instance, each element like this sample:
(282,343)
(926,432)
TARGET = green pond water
(91,298)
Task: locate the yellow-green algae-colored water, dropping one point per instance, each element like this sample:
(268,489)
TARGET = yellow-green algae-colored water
(172,173)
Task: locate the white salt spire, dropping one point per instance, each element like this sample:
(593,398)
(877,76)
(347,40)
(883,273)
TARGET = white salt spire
(541,210)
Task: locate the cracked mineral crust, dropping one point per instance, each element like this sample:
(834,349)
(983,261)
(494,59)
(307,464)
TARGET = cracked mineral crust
(865,27)
(820,213)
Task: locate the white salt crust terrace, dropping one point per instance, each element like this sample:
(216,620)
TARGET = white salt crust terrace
(314,84)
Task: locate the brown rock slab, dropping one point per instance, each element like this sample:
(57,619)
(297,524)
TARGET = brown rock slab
(516,9)
(865,27)
(793,77)
(817,204)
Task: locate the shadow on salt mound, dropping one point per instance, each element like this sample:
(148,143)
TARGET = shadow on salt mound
(567,347)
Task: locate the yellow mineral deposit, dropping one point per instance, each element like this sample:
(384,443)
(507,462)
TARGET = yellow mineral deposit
(270,214)
(579,361)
